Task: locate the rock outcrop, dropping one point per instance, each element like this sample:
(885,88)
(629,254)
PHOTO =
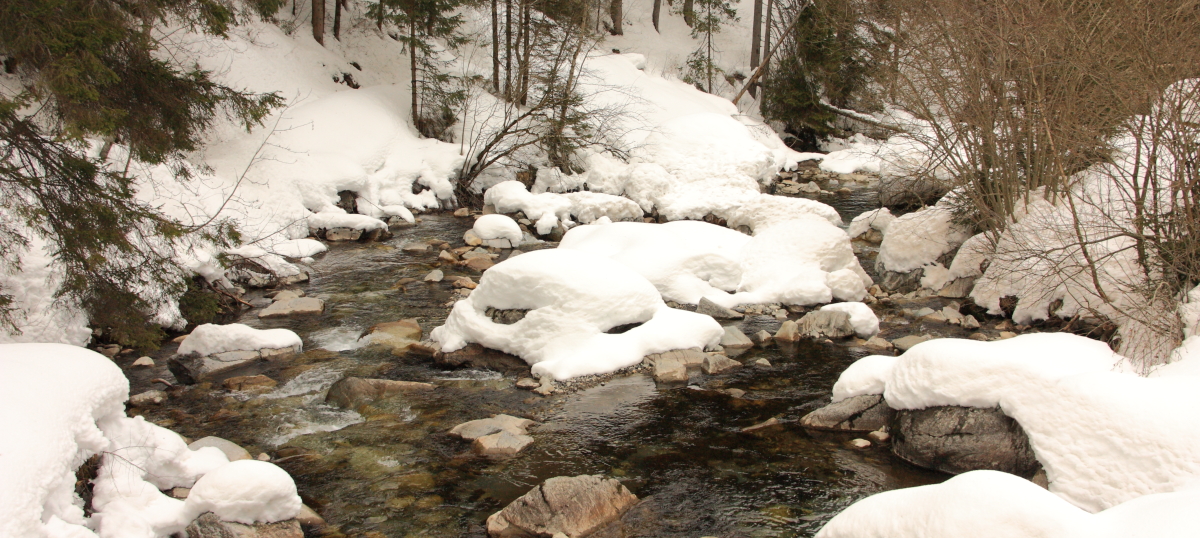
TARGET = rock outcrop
(955,439)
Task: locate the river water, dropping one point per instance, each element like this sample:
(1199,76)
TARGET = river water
(391,470)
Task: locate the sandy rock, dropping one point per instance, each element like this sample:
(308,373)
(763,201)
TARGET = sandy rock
(574,506)
(480,264)
(475,429)
(958,288)
(309,517)
(462,212)
(687,357)
(502,443)
(761,338)
(472,238)
(435,275)
(351,392)
(670,370)
(447,257)
(859,443)
(400,336)
(249,382)
(969,322)
(143,361)
(285,295)
(773,421)
(864,413)
(876,342)
(343,234)
(879,436)
(232,450)
(788,332)
(527,383)
(907,342)
(735,341)
(464,282)
(762,363)
(415,248)
(715,310)
(148,398)
(302,306)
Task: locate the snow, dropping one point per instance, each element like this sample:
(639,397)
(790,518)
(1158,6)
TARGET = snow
(1104,434)
(338,218)
(299,248)
(41,317)
(865,323)
(920,238)
(246,491)
(878,219)
(992,504)
(805,260)
(209,339)
(549,209)
(573,297)
(60,405)
(271,262)
(1185,360)
(497,227)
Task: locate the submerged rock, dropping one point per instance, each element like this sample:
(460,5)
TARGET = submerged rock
(351,392)
(150,397)
(301,306)
(865,413)
(399,336)
(955,440)
(500,435)
(209,525)
(825,324)
(232,450)
(735,341)
(574,506)
(715,364)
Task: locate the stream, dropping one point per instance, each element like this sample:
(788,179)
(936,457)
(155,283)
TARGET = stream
(392,471)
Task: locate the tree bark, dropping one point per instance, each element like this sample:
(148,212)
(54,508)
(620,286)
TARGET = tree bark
(412,55)
(508,44)
(755,39)
(689,12)
(526,18)
(614,12)
(654,14)
(337,19)
(318,21)
(495,46)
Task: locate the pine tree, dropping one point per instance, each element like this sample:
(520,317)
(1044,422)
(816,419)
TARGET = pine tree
(707,19)
(92,70)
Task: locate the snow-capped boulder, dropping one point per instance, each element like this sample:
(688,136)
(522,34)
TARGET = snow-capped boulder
(213,349)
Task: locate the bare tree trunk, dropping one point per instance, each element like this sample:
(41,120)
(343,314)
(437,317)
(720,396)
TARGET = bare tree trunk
(689,12)
(412,55)
(767,39)
(379,17)
(495,47)
(526,18)
(614,12)
(318,21)
(654,14)
(337,19)
(508,44)
(755,39)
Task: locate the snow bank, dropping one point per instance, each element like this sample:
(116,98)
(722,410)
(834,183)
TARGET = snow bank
(918,239)
(992,504)
(572,298)
(41,317)
(879,219)
(271,262)
(209,339)
(1103,434)
(80,411)
(337,217)
(299,248)
(865,323)
(806,260)
(497,227)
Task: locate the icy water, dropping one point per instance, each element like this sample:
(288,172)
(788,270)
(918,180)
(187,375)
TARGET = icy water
(392,471)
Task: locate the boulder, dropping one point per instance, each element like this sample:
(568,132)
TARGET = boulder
(670,370)
(688,357)
(232,450)
(399,336)
(876,342)
(955,440)
(351,392)
(527,383)
(788,332)
(903,344)
(302,306)
(415,248)
(735,341)
(714,364)
(194,368)
(715,310)
(501,443)
(208,525)
(761,338)
(958,288)
(464,282)
(435,275)
(285,295)
(898,282)
(574,506)
(341,234)
(472,238)
(487,426)
(762,363)
(825,324)
(480,264)
(969,322)
(462,212)
(865,413)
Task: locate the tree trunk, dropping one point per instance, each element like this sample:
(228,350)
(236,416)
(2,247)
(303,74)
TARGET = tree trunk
(508,44)
(337,19)
(654,14)
(614,12)
(755,39)
(495,46)
(527,23)
(767,38)
(689,12)
(412,55)
(318,21)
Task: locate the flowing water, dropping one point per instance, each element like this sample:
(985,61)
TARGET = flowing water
(390,469)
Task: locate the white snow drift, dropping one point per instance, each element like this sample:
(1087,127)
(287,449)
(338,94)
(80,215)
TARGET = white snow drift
(209,339)
(572,298)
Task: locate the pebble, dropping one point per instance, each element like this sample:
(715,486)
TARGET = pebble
(144,361)
(462,212)
(860,443)
(762,363)
(879,436)
(435,275)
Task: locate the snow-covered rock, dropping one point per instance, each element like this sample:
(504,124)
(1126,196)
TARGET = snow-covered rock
(246,491)
(498,227)
(212,349)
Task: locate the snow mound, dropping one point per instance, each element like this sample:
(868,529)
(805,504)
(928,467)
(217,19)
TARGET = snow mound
(549,209)
(338,218)
(271,262)
(209,339)
(920,238)
(497,227)
(878,219)
(1103,434)
(865,323)
(299,248)
(572,298)
(992,504)
(246,491)
(803,261)
(80,412)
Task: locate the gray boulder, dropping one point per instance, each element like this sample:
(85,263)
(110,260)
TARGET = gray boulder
(303,306)
(956,439)
(735,341)
(715,364)
(825,324)
(500,435)
(865,413)
(195,368)
(670,370)
(574,506)
(208,525)
(715,310)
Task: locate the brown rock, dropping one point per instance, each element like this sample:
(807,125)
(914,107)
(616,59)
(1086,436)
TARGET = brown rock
(574,506)
(249,382)
(352,392)
(480,264)
(208,525)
